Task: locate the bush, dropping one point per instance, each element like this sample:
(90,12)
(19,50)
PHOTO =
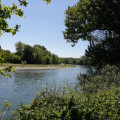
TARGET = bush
(72,105)
(100,79)
(6,106)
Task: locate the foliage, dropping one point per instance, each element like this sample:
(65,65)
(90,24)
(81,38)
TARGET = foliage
(75,61)
(14,59)
(36,54)
(88,20)
(5,56)
(88,16)
(23,62)
(48,1)
(7,12)
(100,79)
(105,52)
(6,106)
(55,59)
(84,60)
(71,104)
(6,71)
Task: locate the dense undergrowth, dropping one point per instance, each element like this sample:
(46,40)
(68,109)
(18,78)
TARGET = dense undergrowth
(99,99)
(102,78)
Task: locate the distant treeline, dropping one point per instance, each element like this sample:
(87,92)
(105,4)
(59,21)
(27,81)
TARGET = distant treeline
(27,54)
(77,61)
(37,54)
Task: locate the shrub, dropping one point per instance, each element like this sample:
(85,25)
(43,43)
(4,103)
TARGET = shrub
(6,106)
(72,105)
(100,79)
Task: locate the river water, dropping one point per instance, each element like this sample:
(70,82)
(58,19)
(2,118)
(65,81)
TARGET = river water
(24,84)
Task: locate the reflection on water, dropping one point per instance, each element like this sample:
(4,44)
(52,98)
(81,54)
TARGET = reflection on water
(24,84)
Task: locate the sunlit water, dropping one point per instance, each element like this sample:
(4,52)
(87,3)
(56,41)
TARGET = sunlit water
(24,84)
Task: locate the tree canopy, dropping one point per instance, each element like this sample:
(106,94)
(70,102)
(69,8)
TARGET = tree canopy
(6,13)
(27,54)
(97,21)
(89,16)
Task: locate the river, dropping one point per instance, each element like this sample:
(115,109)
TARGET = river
(24,84)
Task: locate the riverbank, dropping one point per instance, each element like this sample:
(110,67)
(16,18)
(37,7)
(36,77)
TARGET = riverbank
(37,66)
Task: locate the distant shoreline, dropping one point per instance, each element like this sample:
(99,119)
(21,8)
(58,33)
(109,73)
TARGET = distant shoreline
(37,66)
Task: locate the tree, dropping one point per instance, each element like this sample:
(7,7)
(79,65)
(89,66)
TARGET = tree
(38,54)
(6,13)
(19,48)
(105,52)
(55,59)
(28,54)
(48,59)
(15,58)
(84,60)
(97,21)
(90,16)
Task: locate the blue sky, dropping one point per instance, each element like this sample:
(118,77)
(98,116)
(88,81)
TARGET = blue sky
(43,24)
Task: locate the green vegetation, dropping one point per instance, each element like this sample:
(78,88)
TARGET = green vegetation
(5,55)
(6,106)
(97,21)
(100,79)
(26,54)
(77,106)
(37,54)
(84,60)
(75,61)
(7,12)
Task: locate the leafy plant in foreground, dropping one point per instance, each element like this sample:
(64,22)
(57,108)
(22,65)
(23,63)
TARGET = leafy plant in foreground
(72,104)
(6,106)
